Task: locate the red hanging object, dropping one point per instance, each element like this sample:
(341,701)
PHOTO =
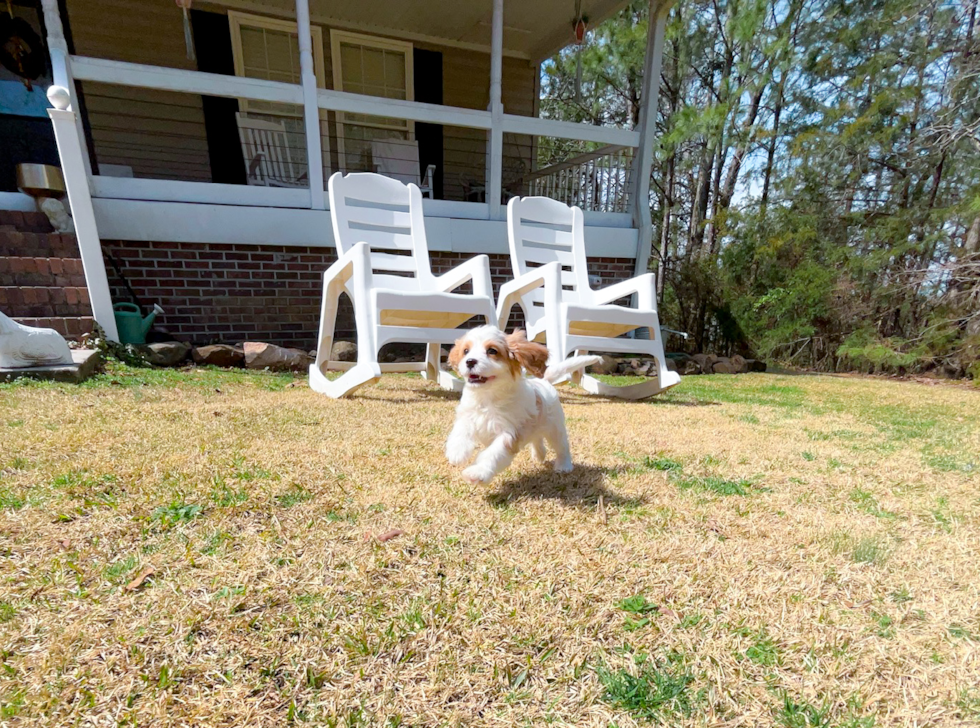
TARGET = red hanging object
(580,26)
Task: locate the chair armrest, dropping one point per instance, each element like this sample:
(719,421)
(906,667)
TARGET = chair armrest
(644,286)
(476,269)
(352,269)
(547,276)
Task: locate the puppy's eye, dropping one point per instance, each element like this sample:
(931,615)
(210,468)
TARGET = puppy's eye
(466,351)
(491,351)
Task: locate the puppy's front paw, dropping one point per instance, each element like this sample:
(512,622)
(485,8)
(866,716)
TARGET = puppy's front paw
(458,453)
(563,466)
(478,474)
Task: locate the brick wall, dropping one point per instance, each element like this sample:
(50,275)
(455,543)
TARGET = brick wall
(231,293)
(42,282)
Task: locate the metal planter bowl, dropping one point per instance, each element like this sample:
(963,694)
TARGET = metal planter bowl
(40,180)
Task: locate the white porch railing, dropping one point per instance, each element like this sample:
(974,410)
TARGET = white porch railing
(597,181)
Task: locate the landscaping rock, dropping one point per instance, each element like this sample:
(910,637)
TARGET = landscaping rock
(671,365)
(608,365)
(167,354)
(755,365)
(690,368)
(705,361)
(739,363)
(219,355)
(259,355)
(723,366)
(646,369)
(343,351)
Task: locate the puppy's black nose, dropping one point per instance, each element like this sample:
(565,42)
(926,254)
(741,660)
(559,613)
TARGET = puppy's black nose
(471,363)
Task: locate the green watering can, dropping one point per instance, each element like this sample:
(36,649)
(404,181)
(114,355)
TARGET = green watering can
(131,324)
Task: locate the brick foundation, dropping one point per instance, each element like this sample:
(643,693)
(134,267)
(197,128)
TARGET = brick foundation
(230,293)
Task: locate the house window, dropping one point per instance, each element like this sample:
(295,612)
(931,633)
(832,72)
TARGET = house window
(268,48)
(363,64)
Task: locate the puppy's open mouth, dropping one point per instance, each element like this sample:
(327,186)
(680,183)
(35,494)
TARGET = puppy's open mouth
(474,379)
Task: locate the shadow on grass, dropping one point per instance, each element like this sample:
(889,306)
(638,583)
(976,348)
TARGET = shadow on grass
(580,488)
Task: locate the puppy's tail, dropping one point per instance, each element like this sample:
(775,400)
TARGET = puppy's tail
(560,370)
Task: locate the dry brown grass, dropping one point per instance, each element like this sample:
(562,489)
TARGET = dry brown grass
(810,545)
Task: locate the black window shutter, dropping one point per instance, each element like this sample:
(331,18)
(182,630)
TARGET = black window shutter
(428,89)
(212,42)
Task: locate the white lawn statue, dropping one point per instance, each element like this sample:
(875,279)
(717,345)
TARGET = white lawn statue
(57,215)
(25,346)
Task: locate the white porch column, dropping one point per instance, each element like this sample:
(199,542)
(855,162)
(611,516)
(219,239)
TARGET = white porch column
(77,170)
(643,158)
(61,70)
(311,112)
(496,148)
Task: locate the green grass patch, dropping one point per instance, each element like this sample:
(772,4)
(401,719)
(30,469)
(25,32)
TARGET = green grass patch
(7,612)
(662,464)
(656,691)
(864,550)
(802,715)
(962,632)
(763,650)
(176,513)
(714,484)
(294,496)
(884,625)
(117,571)
(866,501)
(639,606)
(968,703)
(11,500)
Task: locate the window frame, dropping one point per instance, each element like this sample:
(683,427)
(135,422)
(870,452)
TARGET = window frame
(337,37)
(237,19)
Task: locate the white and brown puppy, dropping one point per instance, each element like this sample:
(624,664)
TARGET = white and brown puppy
(501,409)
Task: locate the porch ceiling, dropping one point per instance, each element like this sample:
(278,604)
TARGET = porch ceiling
(533,29)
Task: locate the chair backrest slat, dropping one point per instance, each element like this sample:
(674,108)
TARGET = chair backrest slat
(385,214)
(266,142)
(542,231)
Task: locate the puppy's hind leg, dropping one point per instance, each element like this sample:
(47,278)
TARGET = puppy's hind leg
(538,450)
(558,439)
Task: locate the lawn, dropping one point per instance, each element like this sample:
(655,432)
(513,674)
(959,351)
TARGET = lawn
(201,548)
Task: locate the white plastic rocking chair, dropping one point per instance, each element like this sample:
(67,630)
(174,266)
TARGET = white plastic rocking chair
(551,285)
(379,230)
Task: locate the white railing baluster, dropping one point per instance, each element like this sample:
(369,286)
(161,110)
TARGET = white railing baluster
(596,181)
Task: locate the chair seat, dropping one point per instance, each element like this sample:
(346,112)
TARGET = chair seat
(453,303)
(605,321)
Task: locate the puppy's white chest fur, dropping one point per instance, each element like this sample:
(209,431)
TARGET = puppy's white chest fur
(493,417)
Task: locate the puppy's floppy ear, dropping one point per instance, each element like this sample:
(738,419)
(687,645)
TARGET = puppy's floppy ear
(456,353)
(530,355)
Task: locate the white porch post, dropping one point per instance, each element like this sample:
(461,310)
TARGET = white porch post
(496,151)
(77,171)
(311,111)
(643,158)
